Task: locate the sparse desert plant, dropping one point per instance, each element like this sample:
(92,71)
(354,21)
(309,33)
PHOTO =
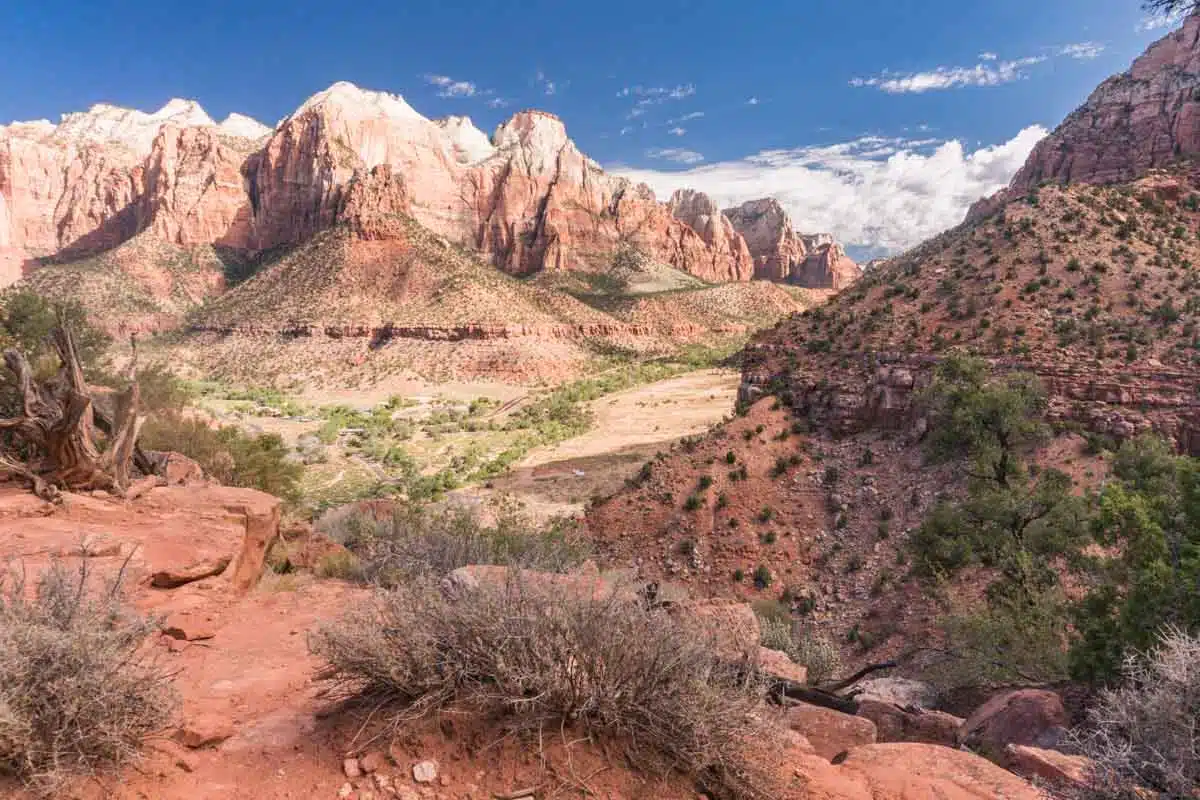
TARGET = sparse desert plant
(802,645)
(537,658)
(1144,732)
(340,565)
(78,691)
(416,541)
(227,453)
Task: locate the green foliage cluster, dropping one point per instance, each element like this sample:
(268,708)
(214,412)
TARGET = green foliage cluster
(227,453)
(1027,527)
(1148,524)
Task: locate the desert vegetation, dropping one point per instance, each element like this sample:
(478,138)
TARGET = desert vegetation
(416,541)
(1142,734)
(538,659)
(79,692)
(1132,544)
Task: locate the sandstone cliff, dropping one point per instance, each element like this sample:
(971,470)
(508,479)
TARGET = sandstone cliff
(527,197)
(1146,117)
(781,254)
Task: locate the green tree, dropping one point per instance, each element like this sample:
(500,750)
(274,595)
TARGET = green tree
(1014,520)
(1148,526)
(28,318)
(992,421)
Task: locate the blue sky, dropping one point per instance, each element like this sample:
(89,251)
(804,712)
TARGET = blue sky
(648,88)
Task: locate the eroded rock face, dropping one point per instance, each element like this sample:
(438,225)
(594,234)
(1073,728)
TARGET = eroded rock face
(781,254)
(195,192)
(1146,117)
(526,197)
(698,211)
(768,232)
(300,175)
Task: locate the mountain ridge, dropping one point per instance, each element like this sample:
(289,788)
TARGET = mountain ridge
(525,197)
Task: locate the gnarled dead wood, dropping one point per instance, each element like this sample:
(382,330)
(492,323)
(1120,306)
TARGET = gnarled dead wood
(53,443)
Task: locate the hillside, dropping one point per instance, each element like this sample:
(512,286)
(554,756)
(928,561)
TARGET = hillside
(1090,287)
(352,306)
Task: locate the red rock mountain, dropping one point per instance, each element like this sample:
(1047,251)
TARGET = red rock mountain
(1146,117)
(781,254)
(526,197)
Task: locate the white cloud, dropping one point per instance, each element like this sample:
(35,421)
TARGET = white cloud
(686,117)
(497,102)
(676,154)
(450,87)
(627,129)
(677,131)
(872,192)
(950,77)
(990,71)
(547,86)
(1154,22)
(753,101)
(1084,51)
(659,93)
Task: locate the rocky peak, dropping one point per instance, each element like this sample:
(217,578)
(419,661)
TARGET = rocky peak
(1144,118)
(104,123)
(540,135)
(773,244)
(348,100)
(690,204)
(781,254)
(468,142)
(701,213)
(244,127)
(826,267)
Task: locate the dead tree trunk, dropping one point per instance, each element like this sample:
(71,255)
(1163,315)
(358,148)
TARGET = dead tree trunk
(53,443)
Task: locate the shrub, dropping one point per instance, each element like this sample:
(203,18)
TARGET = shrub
(340,565)
(762,576)
(540,658)
(227,453)
(693,502)
(804,646)
(1144,733)
(78,691)
(417,541)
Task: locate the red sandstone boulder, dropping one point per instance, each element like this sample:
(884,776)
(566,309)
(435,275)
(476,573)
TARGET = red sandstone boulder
(896,724)
(1059,769)
(924,772)
(777,664)
(830,732)
(1023,716)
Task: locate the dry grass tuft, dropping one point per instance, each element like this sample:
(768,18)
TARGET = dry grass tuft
(536,658)
(1147,732)
(418,541)
(78,692)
